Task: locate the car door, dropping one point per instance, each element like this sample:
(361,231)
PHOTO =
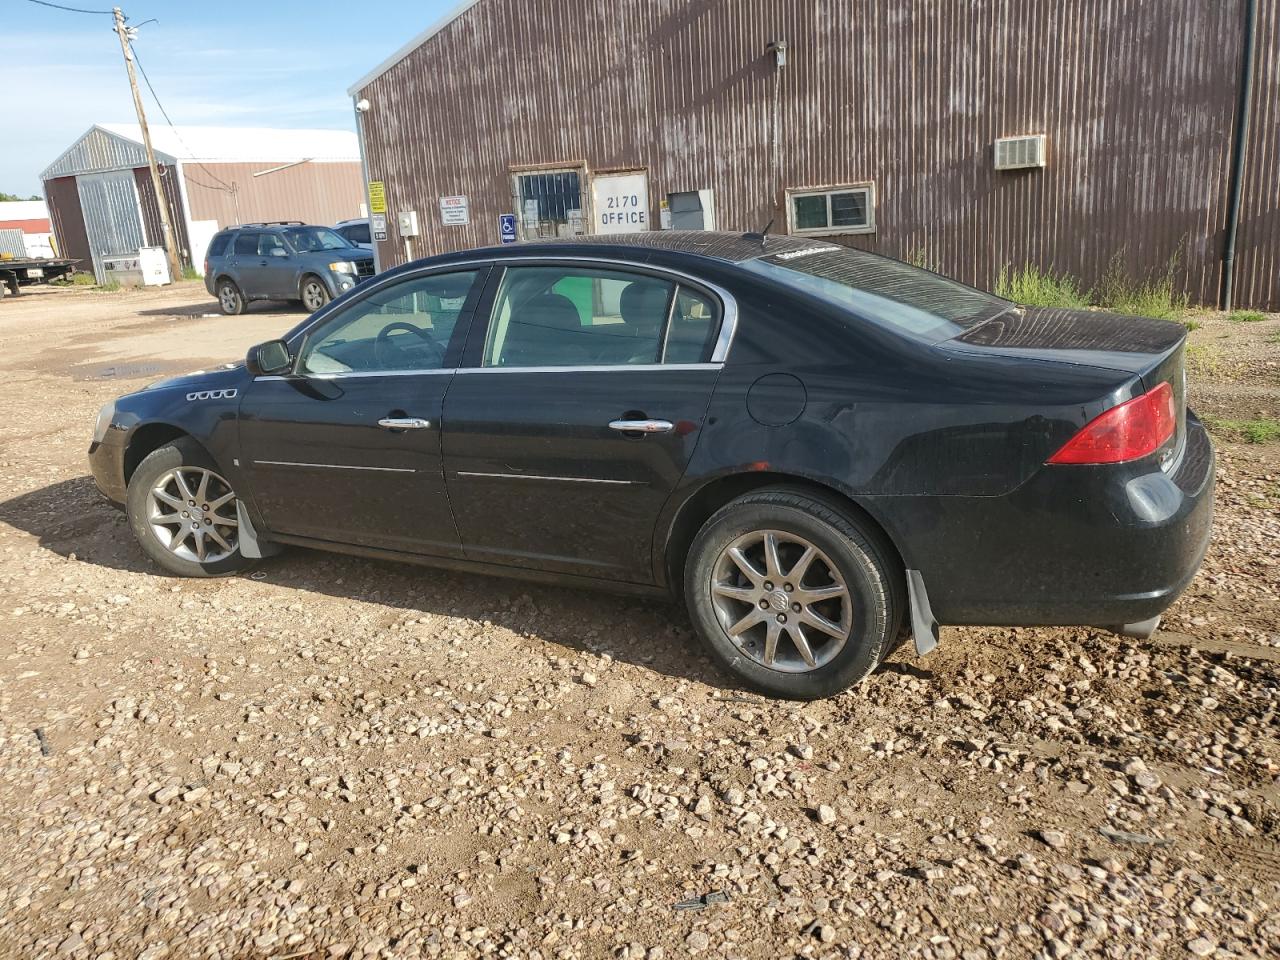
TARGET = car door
(576,413)
(346,447)
(279,267)
(247,267)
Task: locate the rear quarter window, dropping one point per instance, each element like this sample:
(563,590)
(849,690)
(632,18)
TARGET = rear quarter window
(218,245)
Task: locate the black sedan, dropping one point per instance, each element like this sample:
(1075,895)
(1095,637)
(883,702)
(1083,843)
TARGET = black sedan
(821,449)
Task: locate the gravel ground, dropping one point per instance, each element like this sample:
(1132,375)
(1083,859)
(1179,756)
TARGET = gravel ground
(335,757)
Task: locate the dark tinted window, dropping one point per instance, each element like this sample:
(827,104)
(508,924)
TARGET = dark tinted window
(305,239)
(247,244)
(218,245)
(356,233)
(907,298)
(695,321)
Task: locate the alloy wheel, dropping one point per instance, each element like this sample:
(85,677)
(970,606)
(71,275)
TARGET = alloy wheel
(228,298)
(192,512)
(781,601)
(313,295)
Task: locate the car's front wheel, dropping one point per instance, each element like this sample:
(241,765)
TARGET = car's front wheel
(792,595)
(183,512)
(314,294)
(230,299)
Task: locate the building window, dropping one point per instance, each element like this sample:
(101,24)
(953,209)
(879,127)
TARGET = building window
(549,204)
(832,210)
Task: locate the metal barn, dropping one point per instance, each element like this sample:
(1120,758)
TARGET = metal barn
(1081,137)
(103,205)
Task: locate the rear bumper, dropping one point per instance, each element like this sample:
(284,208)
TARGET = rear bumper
(1075,545)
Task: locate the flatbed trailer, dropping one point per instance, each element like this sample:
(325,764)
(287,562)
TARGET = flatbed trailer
(17,272)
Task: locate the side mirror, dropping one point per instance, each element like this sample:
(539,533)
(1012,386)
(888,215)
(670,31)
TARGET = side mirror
(279,252)
(268,359)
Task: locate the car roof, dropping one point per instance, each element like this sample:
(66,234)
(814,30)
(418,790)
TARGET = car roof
(709,244)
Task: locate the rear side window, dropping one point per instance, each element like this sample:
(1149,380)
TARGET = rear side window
(356,233)
(695,321)
(218,245)
(577,317)
(247,244)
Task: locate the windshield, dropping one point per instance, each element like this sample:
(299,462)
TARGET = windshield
(315,238)
(915,301)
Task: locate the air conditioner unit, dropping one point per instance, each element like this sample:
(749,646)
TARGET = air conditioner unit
(1019,153)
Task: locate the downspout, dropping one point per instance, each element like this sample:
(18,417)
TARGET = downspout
(1244,107)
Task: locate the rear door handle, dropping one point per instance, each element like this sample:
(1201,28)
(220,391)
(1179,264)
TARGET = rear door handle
(642,426)
(404,423)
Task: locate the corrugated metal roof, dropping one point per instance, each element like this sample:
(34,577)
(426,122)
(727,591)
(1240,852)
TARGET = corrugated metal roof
(411,46)
(116,146)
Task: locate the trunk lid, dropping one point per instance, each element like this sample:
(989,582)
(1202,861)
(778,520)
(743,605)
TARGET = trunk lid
(1152,350)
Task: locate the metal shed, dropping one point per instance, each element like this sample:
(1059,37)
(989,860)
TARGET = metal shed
(966,136)
(102,202)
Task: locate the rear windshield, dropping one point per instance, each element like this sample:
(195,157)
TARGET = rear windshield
(315,238)
(914,301)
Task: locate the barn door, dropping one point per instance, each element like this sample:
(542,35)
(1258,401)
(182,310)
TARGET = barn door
(112,216)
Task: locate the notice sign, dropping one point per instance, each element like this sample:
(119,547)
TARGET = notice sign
(620,202)
(377,196)
(378,226)
(454,211)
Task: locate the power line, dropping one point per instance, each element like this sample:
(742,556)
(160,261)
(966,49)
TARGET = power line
(165,113)
(58,6)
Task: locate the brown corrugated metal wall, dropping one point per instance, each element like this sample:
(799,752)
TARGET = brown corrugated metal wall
(151,211)
(63,198)
(1137,98)
(319,192)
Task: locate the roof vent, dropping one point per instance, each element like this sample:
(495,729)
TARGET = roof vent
(1019,153)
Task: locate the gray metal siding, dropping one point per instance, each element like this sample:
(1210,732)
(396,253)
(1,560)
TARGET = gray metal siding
(1137,99)
(111,214)
(97,151)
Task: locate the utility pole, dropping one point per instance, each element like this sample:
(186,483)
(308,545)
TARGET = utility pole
(170,244)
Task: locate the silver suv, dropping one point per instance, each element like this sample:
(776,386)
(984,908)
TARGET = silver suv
(282,261)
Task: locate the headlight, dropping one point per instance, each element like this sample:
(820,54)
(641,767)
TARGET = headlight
(343,266)
(105,416)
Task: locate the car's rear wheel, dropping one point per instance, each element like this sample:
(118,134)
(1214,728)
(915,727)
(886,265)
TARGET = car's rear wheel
(183,512)
(792,595)
(230,299)
(314,293)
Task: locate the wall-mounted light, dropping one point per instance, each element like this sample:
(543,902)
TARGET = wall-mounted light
(779,50)
(363,105)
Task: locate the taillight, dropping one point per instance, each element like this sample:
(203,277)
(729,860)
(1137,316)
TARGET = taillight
(1134,429)
(206,266)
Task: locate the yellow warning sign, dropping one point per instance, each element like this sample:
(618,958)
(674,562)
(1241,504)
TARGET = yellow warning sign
(377,196)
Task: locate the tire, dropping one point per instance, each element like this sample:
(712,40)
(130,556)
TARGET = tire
(850,581)
(197,554)
(313,293)
(230,299)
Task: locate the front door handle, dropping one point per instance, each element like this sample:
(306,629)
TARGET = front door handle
(642,426)
(404,423)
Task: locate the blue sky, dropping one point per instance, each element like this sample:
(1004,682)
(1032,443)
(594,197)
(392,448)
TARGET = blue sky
(264,63)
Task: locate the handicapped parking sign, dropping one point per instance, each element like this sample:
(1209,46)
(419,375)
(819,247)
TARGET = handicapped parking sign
(507,227)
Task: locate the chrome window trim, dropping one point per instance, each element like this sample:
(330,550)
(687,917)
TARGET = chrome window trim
(329,466)
(596,368)
(532,476)
(728,304)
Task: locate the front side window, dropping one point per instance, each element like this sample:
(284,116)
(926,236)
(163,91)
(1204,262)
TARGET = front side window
(577,317)
(305,239)
(246,244)
(834,210)
(406,326)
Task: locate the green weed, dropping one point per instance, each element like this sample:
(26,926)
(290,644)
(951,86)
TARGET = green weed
(1033,287)
(1153,297)
(1246,316)
(1258,430)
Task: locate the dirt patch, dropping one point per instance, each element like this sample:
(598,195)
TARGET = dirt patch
(333,757)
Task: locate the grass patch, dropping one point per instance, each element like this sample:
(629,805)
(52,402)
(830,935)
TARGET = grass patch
(1246,316)
(74,280)
(1202,360)
(1274,338)
(1034,287)
(110,286)
(1192,324)
(1258,430)
(190,273)
(919,257)
(1153,297)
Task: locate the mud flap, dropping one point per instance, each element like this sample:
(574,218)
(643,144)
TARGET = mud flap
(924,628)
(250,545)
